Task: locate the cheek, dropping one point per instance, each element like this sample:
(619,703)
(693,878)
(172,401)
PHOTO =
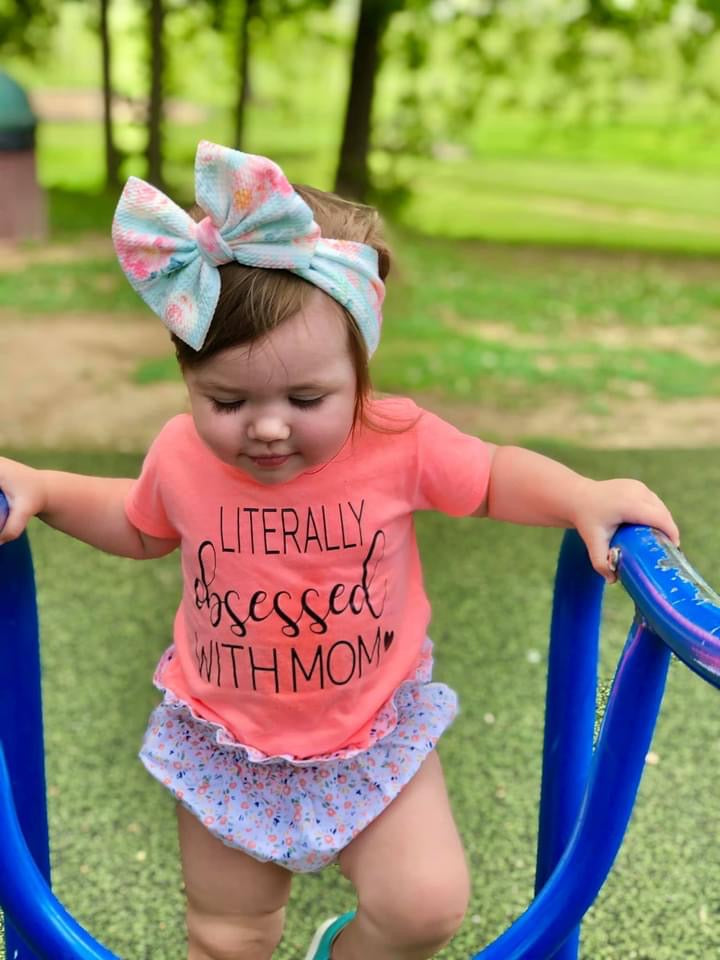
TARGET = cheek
(218,430)
(340,420)
(325,434)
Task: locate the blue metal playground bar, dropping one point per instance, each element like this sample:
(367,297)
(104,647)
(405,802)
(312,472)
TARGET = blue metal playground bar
(587,795)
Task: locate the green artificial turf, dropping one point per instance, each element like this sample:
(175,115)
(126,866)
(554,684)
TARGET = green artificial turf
(106,620)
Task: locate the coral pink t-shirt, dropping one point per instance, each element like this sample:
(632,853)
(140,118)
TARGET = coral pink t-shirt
(303,606)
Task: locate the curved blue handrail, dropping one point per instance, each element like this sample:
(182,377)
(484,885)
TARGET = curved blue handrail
(558,908)
(45,925)
(676,610)
(672,597)
(37,926)
(587,796)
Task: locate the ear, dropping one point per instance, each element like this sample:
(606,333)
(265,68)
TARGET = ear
(383,262)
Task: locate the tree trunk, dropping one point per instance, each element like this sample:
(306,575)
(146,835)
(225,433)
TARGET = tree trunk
(154,149)
(112,155)
(242,66)
(352,179)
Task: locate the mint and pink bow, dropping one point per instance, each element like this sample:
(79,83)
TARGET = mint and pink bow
(254,217)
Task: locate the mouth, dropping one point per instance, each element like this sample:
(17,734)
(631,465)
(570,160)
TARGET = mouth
(269,462)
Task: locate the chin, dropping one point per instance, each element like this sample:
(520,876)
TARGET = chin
(270,478)
(274,480)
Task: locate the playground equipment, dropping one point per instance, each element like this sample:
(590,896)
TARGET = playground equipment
(587,794)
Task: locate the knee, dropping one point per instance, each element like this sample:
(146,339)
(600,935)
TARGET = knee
(426,913)
(233,936)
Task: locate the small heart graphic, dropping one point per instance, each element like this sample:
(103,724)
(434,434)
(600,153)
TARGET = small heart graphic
(388,639)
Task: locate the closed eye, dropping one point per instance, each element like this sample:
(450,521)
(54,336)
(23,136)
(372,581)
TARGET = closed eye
(306,401)
(226,407)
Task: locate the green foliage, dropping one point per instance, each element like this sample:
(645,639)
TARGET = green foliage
(25,26)
(445,80)
(571,65)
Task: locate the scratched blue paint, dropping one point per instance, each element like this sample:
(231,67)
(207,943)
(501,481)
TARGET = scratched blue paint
(672,598)
(587,795)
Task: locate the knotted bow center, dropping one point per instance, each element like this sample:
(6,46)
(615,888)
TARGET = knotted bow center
(211,245)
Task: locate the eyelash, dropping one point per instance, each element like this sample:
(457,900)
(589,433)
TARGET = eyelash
(225,407)
(301,402)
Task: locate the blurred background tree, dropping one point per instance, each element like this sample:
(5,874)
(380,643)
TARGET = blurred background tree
(25,26)
(368,95)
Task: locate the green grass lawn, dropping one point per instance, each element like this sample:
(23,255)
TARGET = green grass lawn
(105,621)
(569,199)
(487,324)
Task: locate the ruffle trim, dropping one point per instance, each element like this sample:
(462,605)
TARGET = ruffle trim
(385,721)
(298,816)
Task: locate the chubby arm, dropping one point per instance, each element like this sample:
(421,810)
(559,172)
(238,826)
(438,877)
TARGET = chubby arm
(526,487)
(91,509)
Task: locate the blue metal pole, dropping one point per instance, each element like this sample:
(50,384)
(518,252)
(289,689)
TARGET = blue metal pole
(49,931)
(21,731)
(617,767)
(37,927)
(569,710)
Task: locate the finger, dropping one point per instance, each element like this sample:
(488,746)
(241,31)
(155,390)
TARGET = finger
(613,559)
(598,548)
(14,526)
(650,511)
(659,517)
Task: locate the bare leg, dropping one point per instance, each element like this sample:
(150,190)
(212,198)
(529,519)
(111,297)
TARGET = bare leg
(410,873)
(235,904)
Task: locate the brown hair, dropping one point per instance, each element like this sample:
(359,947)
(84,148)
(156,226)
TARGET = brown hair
(254,300)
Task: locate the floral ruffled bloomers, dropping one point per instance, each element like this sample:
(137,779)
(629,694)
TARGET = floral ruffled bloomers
(299,814)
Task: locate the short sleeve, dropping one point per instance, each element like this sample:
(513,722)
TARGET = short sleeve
(144,504)
(453,468)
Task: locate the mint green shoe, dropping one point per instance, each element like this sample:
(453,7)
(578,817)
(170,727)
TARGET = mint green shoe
(325,936)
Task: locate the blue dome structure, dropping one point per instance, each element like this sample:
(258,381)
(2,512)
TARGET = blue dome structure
(22,200)
(17,119)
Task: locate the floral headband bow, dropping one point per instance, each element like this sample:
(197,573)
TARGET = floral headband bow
(254,217)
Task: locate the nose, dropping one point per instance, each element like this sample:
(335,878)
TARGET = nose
(268,428)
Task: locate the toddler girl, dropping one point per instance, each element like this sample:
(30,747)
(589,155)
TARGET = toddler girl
(299,718)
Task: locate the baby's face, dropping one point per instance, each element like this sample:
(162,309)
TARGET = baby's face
(282,405)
